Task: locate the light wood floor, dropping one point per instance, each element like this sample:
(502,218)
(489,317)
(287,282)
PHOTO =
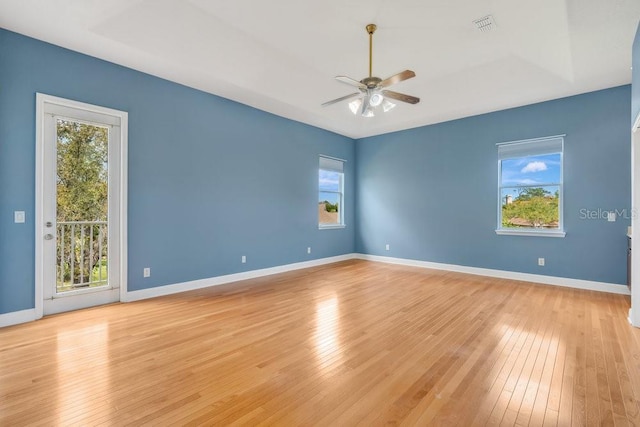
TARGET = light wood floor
(351,343)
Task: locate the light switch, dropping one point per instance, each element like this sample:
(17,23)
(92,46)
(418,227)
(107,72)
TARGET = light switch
(18,217)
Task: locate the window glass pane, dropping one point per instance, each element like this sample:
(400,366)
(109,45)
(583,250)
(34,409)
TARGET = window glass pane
(329,180)
(530,207)
(531,170)
(329,208)
(329,197)
(330,192)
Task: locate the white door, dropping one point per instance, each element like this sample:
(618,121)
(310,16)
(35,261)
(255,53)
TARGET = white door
(79,224)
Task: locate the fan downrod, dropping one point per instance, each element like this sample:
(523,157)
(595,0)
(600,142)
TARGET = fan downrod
(371,28)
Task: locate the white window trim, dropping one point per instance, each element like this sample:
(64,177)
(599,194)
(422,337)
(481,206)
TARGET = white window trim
(331,226)
(530,232)
(534,232)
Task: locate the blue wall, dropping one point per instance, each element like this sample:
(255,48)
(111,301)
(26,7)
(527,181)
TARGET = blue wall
(431,192)
(635,101)
(209,179)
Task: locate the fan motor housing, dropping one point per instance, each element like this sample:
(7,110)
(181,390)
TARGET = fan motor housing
(371,82)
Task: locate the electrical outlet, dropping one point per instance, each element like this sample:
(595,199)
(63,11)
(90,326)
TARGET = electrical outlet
(244,259)
(541,262)
(386,248)
(611,217)
(309,250)
(146,272)
(18,217)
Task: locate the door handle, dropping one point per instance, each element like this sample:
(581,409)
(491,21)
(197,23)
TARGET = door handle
(48,236)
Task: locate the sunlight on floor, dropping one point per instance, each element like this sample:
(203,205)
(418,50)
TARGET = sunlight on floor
(521,379)
(327,337)
(80,390)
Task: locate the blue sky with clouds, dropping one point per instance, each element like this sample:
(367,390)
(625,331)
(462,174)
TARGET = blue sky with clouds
(329,182)
(533,171)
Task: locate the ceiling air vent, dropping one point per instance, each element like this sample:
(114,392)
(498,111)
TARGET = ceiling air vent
(485,24)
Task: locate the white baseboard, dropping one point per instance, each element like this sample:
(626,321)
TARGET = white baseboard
(502,274)
(220,280)
(29,315)
(15,317)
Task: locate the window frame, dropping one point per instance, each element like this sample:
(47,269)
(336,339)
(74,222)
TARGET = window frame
(536,144)
(340,192)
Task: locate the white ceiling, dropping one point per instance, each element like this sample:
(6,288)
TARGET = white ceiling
(281,55)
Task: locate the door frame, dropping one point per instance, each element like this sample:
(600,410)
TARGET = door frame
(41,101)
(634,312)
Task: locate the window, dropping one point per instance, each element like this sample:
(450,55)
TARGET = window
(331,193)
(530,187)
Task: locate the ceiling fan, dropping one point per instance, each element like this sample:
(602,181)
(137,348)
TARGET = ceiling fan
(371,90)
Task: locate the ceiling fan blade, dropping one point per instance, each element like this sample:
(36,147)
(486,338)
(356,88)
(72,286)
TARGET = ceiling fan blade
(405,75)
(351,82)
(400,96)
(342,98)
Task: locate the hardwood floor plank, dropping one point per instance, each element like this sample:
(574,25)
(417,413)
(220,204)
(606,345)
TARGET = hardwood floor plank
(537,388)
(520,406)
(547,402)
(603,386)
(459,389)
(519,356)
(628,374)
(353,343)
(579,361)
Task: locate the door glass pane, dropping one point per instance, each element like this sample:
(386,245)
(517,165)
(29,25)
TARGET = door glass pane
(82,205)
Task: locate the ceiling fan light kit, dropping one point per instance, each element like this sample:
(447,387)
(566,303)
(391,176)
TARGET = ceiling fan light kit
(375,99)
(371,93)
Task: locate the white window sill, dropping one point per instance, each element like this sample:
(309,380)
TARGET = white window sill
(533,233)
(331,226)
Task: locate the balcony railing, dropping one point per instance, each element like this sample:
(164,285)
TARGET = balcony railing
(81,255)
